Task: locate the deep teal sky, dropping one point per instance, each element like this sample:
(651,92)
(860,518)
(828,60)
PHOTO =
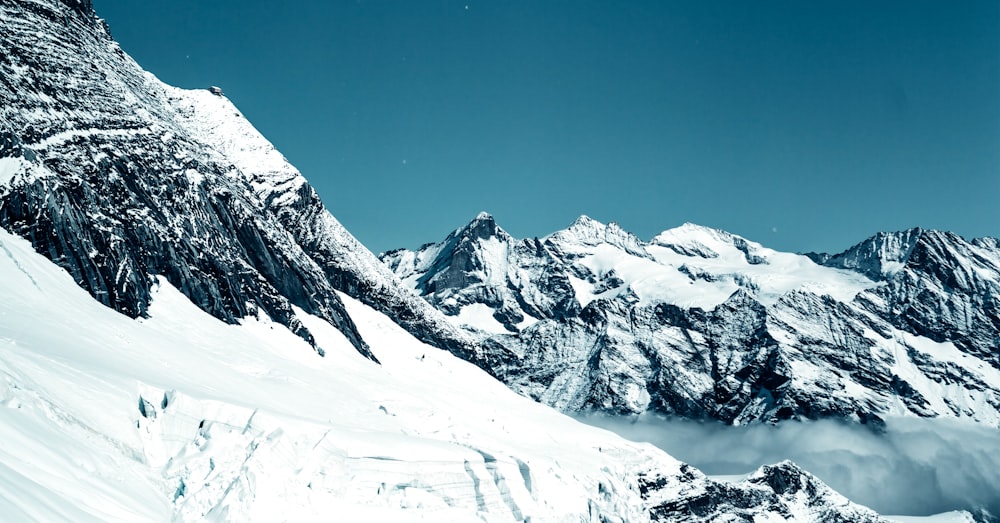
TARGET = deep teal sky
(801,125)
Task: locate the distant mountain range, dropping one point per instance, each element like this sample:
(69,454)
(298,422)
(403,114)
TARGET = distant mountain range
(704,324)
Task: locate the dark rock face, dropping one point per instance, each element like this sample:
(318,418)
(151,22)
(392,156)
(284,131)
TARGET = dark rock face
(105,179)
(948,291)
(780,491)
(902,322)
(115,257)
(83,8)
(876,256)
(937,285)
(481,263)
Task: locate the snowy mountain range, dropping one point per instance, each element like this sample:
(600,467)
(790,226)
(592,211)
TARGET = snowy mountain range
(187,334)
(702,323)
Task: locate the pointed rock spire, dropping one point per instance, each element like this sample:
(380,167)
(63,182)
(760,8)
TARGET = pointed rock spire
(481,227)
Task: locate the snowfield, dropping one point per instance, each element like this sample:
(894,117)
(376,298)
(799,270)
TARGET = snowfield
(181,415)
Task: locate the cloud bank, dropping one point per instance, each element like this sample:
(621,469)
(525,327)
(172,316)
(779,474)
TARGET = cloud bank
(915,467)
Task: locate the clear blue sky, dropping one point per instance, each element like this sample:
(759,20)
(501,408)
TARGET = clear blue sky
(801,125)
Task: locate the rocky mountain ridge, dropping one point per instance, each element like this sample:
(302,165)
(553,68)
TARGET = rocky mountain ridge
(138,178)
(702,323)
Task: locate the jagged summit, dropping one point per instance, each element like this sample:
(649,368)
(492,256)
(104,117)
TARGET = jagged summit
(483,226)
(474,274)
(584,221)
(879,256)
(584,228)
(587,232)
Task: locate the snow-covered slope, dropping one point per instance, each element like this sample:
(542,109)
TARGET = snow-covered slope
(179,415)
(703,323)
(120,178)
(285,193)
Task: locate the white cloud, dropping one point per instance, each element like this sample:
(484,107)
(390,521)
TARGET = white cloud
(914,467)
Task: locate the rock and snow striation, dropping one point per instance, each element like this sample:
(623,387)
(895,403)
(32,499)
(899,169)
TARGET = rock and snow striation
(702,323)
(119,178)
(206,398)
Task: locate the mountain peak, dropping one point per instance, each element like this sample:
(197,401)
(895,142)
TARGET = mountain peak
(586,223)
(585,231)
(482,227)
(584,227)
(690,239)
(886,253)
(878,256)
(692,231)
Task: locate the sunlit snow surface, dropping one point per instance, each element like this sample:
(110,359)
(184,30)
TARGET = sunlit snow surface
(249,422)
(695,266)
(480,316)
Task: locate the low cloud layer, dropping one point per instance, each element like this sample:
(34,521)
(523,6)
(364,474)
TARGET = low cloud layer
(916,467)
